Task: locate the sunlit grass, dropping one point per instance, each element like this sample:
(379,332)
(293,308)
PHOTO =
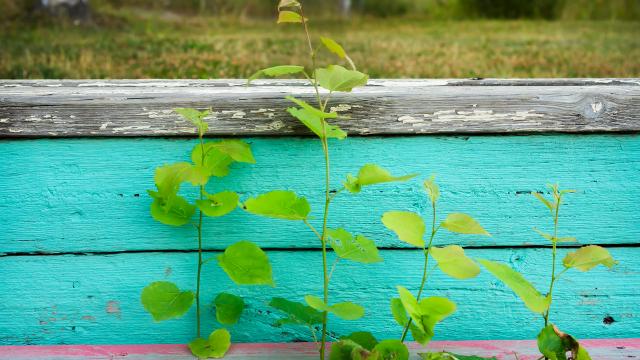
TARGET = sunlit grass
(138,46)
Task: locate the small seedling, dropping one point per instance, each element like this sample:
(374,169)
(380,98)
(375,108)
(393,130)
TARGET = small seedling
(420,316)
(288,205)
(244,262)
(552,342)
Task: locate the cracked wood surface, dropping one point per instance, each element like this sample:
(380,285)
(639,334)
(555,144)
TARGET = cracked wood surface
(52,108)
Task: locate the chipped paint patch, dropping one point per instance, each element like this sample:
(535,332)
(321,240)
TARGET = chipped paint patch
(113,308)
(104,126)
(340,107)
(597,107)
(408,119)
(481,115)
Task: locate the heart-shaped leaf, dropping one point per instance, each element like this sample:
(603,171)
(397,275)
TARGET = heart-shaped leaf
(196,117)
(229,307)
(407,225)
(286,16)
(453,262)
(463,224)
(359,249)
(315,124)
(276,71)
(246,264)
(216,346)
(218,204)
(588,257)
(164,300)
(279,204)
(432,189)
(344,310)
(337,78)
(212,159)
(555,344)
(174,211)
(298,313)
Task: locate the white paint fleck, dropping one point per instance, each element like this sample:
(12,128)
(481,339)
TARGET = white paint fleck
(72,116)
(128,129)
(340,107)
(597,107)
(104,126)
(4,120)
(408,119)
(481,115)
(12,130)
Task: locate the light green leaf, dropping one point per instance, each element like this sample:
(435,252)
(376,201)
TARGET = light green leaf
(288,3)
(229,307)
(392,349)
(463,224)
(279,204)
(360,248)
(216,346)
(427,313)
(543,200)
(164,300)
(337,78)
(314,123)
(344,310)
(371,174)
(196,117)
(555,344)
(168,178)
(218,204)
(276,71)
(400,316)
(516,282)
(246,264)
(588,257)
(407,225)
(432,189)
(333,46)
(312,109)
(362,338)
(552,239)
(347,349)
(453,262)
(238,150)
(298,313)
(174,211)
(286,16)
(214,161)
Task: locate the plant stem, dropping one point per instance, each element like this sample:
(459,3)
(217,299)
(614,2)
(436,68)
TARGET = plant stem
(426,252)
(553,264)
(200,262)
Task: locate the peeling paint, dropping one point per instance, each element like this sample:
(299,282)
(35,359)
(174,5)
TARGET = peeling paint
(408,119)
(104,125)
(481,115)
(340,107)
(113,308)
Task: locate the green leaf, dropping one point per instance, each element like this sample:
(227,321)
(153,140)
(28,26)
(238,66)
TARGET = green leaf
(314,123)
(218,204)
(426,313)
(362,338)
(279,204)
(338,78)
(463,224)
(196,117)
(216,346)
(214,161)
(164,300)
(312,109)
(400,316)
(453,262)
(554,344)
(407,225)
(276,71)
(391,350)
(238,150)
(588,257)
(333,46)
(246,264)
(174,211)
(546,202)
(229,307)
(344,310)
(298,313)
(168,178)
(346,349)
(359,249)
(371,174)
(432,189)
(286,16)
(531,297)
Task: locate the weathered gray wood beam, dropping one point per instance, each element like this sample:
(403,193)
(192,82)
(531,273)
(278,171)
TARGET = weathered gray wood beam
(52,108)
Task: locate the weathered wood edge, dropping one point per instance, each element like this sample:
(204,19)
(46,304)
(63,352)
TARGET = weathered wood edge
(124,108)
(602,349)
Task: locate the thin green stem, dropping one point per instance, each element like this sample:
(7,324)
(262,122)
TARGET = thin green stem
(200,262)
(426,252)
(553,261)
(313,229)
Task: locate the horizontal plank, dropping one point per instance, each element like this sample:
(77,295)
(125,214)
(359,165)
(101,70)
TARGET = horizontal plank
(55,108)
(83,195)
(601,349)
(91,299)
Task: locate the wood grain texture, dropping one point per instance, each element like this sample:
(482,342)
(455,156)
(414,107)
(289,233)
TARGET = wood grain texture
(601,349)
(83,195)
(144,107)
(94,299)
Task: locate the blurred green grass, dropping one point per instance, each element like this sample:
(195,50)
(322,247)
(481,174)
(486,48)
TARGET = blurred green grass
(147,44)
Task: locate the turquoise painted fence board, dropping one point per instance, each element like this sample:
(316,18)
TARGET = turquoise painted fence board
(90,299)
(81,195)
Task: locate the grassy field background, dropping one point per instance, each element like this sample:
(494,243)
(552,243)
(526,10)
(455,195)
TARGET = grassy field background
(130,43)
